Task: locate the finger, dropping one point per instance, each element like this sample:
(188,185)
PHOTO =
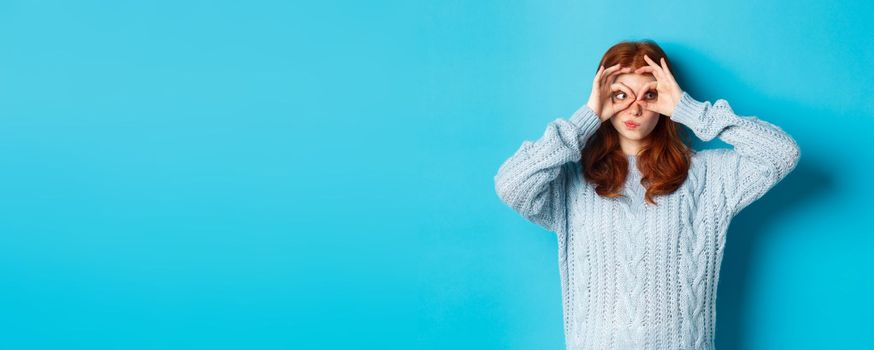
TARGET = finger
(617,87)
(628,90)
(618,72)
(652,71)
(665,67)
(625,86)
(621,87)
(657,70)
(649,106)
(627,101)
(610,70)
(667,70)
(650,61)
(653,85)
(625,104)
(647,69)
(644,69)
(664,64)
(598,75)
(610,76)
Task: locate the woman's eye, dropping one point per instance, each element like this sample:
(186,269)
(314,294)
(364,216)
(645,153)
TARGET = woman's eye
(617,94)
(651,94)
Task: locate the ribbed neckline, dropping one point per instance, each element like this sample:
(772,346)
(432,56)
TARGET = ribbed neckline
(633,171)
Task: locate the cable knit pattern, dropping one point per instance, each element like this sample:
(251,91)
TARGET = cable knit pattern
(636,275)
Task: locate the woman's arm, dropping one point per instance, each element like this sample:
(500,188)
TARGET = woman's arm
(763,153)
(533,180)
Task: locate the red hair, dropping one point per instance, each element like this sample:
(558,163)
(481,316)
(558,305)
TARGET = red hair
(664,162)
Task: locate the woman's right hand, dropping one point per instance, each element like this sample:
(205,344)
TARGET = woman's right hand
(601,99)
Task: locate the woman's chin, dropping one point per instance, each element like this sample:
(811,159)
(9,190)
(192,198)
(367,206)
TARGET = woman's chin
(635,136)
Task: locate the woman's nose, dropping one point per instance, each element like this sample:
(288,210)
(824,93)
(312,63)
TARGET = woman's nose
(635,108)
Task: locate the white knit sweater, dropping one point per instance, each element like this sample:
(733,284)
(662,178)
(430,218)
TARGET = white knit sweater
(636,275)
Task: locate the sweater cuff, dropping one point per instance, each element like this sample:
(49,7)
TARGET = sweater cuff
(689,112)
(586,119)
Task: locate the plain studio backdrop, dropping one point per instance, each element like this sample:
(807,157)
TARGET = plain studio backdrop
(319,175)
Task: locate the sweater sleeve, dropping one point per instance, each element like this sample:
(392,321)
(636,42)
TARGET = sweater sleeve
(534,179)
(762,155)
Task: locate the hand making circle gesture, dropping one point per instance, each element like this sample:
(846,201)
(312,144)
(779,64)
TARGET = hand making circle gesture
(600,100)
(666,86)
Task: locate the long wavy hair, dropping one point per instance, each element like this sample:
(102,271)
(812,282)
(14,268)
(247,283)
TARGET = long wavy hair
(665,159)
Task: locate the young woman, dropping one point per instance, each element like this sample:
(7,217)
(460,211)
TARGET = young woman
(640,217)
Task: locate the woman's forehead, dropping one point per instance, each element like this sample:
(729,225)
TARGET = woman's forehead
(634,79)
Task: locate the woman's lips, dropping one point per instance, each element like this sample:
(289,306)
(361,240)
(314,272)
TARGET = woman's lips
(631,125)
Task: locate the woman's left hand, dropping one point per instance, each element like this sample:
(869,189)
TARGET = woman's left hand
(666,86)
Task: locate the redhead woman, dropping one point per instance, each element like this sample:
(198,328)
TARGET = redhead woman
(640,216)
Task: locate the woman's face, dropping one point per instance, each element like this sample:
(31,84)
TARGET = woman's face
(635,122)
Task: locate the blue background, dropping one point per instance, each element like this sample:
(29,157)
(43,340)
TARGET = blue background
(289,175)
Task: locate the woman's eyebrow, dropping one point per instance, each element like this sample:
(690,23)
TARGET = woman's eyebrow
(648,88)
(626,85)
